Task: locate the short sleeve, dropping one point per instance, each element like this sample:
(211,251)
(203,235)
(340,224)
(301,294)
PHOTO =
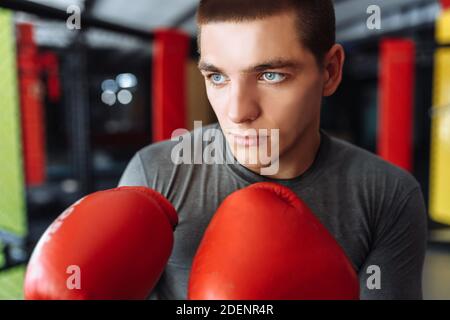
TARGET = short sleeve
(399,251)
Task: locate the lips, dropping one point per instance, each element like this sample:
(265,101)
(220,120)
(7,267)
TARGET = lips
(247,140)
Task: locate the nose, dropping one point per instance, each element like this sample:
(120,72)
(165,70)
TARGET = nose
(243,106)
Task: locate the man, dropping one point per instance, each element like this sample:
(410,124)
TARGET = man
(267,64)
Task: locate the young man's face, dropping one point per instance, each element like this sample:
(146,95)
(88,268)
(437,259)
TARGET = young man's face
(259,76)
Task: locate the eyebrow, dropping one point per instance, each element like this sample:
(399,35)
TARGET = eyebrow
(270,64)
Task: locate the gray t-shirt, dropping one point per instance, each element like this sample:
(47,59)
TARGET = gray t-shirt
(374,210)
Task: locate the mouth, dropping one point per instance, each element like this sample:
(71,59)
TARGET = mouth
(247,140)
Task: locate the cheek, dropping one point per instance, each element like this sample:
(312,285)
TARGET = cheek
(217,100)
(293,109)
(289,107)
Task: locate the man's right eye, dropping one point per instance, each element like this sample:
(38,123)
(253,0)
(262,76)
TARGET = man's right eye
(216,79)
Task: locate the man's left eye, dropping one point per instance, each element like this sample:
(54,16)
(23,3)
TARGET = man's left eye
(273,77)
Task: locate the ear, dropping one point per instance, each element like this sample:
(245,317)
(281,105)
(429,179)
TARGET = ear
(333,65)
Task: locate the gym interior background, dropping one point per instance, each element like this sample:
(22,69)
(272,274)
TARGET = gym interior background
(76,104)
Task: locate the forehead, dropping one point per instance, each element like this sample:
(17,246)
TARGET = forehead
(239,44)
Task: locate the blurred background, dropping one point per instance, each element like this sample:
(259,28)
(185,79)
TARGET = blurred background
(78,100)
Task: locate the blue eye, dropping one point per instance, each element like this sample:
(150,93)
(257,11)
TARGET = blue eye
(216,78)
(273,77)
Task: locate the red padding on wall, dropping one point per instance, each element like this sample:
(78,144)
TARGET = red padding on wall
(396,85)
(50,65)
(445,4)
(169,83)
(33,138)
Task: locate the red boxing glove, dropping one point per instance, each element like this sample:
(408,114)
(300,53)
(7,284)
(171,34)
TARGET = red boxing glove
(264,243)
(112,244)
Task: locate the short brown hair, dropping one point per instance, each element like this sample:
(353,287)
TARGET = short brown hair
(316,20)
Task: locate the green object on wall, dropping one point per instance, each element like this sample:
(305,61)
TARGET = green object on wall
(11,283)
(12,192)
(12,199)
